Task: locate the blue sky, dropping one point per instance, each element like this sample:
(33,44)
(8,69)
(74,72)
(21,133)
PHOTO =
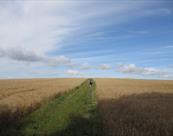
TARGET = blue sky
(115,38)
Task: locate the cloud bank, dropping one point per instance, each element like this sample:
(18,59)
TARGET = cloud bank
(145,71)
(43,26)
(28,56)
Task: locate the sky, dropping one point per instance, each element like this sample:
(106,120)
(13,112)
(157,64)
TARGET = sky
(94,38)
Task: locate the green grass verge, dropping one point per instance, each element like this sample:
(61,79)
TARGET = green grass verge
(73,114)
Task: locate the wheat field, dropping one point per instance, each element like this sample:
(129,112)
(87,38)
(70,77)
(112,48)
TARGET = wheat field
(127,107)
(25,92)
(136,107)
(115,88)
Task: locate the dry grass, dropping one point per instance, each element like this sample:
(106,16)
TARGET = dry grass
(136,107)
(24,93)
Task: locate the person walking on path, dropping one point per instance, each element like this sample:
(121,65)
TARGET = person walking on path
(90,83)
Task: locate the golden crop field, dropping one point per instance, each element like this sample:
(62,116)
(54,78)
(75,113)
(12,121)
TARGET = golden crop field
(136,107)
(23,93)
(115,88)
(127,107)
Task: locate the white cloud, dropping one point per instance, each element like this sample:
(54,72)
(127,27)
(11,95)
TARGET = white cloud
(158,11)
(42,26)
(170,46)
(148,71)
(28,56)
(105,67)
(30,30)
(85,66)
(74,72)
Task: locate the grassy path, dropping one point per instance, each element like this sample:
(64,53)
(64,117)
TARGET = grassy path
(73,114)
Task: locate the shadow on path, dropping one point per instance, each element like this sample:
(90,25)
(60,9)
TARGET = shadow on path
(81,126)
